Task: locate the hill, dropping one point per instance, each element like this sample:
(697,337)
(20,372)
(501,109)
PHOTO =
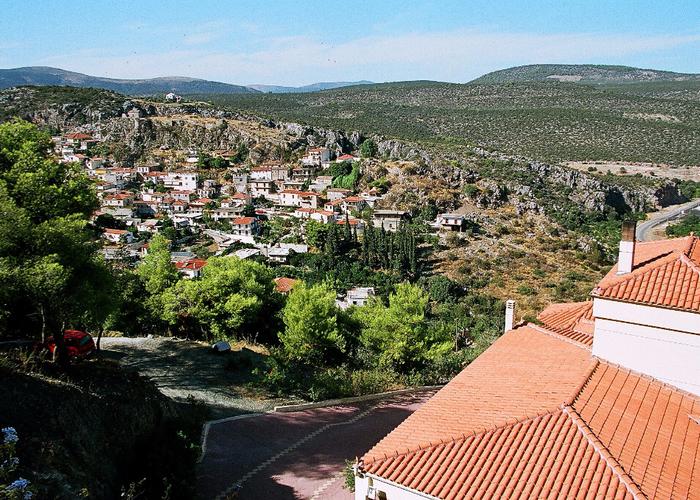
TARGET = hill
(41,75)
(314,87)
(651,122)
(582,73)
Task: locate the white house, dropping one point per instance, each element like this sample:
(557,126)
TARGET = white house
(117,235)
(647,310)
(244,226)
(451,222)
(294,198)
(190,268)
(358,296)
(316,157)
(181,181)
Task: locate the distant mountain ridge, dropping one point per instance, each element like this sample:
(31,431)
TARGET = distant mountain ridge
(314,87)
(42,75)
(581,73)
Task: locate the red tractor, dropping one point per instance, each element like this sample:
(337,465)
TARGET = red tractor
(78,344)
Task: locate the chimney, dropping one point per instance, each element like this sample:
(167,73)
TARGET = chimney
(625,259)
(510,314)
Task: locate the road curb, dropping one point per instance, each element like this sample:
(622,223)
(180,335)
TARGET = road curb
(353,399)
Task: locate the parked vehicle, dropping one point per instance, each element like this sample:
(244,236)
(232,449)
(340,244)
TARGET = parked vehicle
(78,344)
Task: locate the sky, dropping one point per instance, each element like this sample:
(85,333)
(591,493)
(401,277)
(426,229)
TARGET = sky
(304,41)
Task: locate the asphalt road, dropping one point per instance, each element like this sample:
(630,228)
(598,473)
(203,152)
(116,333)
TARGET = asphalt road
(644,228)
(299,454)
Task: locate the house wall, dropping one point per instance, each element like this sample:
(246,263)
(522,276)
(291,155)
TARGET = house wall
(392,491)
(659,342)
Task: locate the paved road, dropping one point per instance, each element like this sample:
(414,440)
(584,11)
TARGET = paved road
(644,228)
(296,455)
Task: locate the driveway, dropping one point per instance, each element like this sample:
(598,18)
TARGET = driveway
(296,455)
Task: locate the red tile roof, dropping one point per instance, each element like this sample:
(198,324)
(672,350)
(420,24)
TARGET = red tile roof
(536,416)
(78,136)
(572,320)
(284,285)
(191,264)
(243,221)
(544,456)
(525,372)
(647,427)
(665,273)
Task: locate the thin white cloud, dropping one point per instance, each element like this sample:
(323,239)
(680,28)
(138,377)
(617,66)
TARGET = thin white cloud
(451,56)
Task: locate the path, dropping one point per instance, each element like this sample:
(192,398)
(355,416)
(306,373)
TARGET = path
(296,455)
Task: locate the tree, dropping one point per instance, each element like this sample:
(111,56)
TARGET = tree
(232,297)
(50,268)
(157,272)
(396,332)
(369,149)
(314,333)
(316,233)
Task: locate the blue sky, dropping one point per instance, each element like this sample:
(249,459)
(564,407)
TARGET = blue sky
(299,42)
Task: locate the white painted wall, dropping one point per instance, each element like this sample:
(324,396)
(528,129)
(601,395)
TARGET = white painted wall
(391,490)
(662,343)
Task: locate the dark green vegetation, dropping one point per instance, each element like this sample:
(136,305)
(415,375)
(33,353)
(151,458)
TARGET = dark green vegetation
(93,427)
(688,224)
(93,430)
(581,73)
(50,271)
(551,121)
(41,75)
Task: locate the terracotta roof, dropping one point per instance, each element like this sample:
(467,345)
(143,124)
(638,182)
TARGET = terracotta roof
(548,456)
(572,320)
(78,136)
(346,157)
(115,231)
(191,264)
(646,253)
(284,285)
(536,416)
(525,372)
(243,221)
(665,274)
(647,427)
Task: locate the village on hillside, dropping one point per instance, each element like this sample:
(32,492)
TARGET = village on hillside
(250,211)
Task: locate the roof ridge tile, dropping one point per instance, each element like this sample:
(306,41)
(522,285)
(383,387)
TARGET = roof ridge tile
(603,452)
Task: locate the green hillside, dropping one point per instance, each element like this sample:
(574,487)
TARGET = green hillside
(658,122)
(581,73)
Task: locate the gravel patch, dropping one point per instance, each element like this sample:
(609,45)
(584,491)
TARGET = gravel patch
(183,369)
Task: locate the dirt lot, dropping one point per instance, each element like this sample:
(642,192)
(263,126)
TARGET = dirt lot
(183,369)
(690,173)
